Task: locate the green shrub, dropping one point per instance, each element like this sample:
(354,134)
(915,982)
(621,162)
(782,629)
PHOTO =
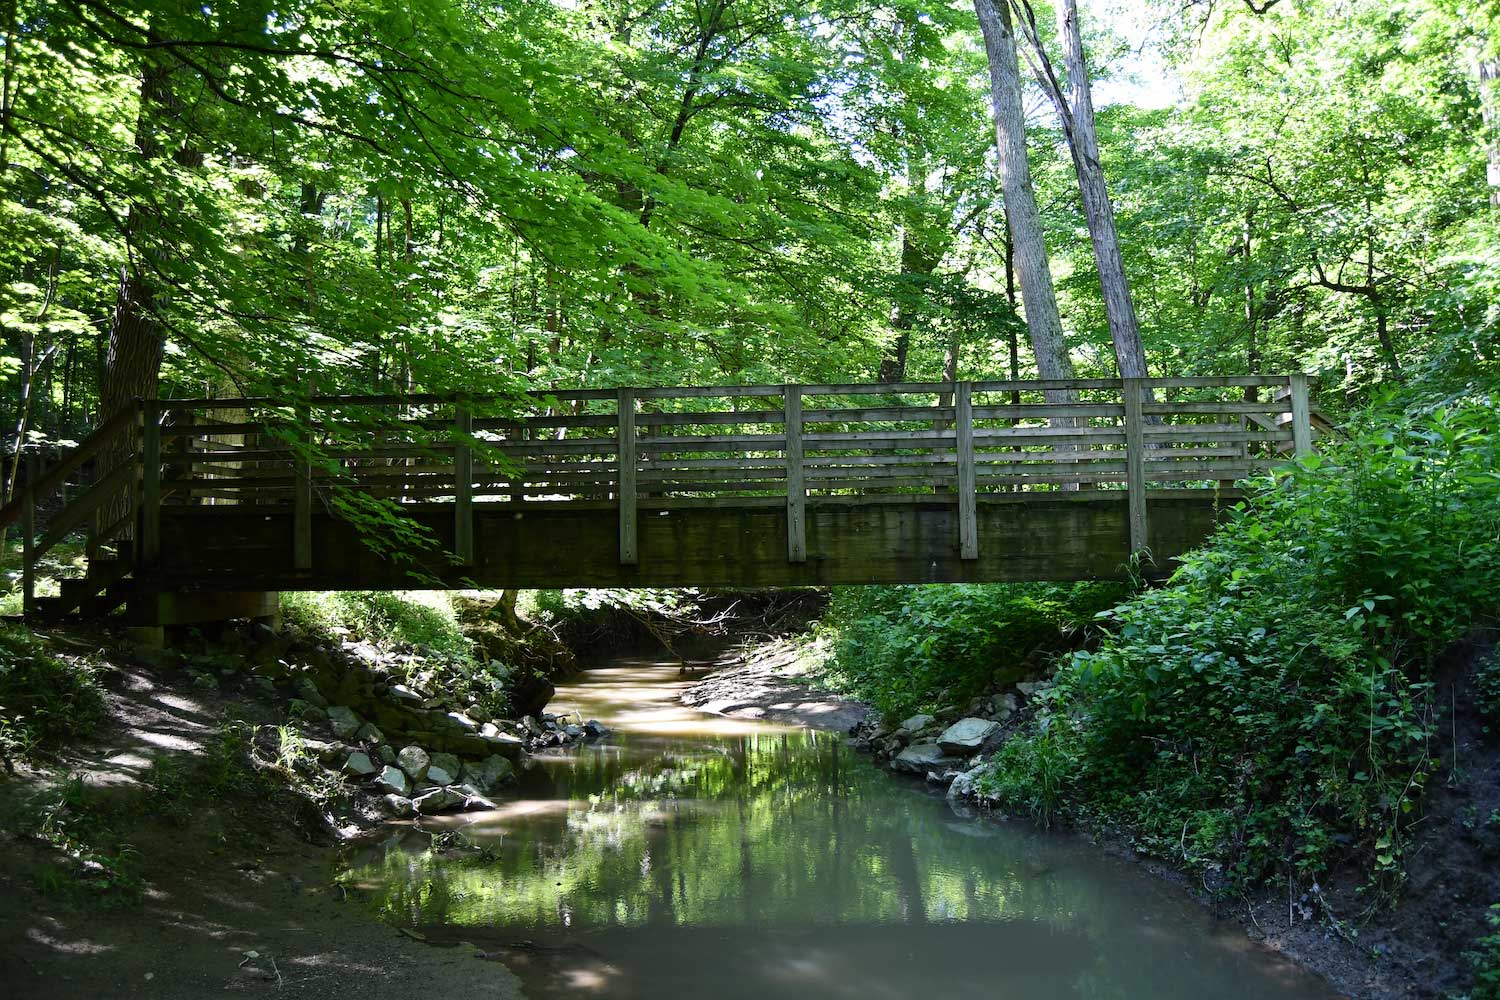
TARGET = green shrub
(1487,694)
(43,699)
(1484,959)
(1270,708)
(414,618)
(905,649)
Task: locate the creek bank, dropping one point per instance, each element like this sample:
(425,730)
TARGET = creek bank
(1417,946)
(773,682)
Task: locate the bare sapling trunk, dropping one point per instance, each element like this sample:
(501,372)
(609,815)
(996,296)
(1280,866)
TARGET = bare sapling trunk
(1083,141)
(1489,109)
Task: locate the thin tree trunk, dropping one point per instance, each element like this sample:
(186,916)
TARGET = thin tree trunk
(1021,214)
(1489,110)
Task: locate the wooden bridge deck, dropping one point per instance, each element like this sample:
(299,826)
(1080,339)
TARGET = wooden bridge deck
(722,486)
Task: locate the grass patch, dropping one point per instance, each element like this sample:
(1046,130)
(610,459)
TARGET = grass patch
(44,699)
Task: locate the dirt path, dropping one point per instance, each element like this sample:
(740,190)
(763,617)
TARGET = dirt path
(773,684)
(229,879)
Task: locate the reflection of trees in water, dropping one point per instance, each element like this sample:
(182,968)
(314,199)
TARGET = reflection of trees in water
(764,827)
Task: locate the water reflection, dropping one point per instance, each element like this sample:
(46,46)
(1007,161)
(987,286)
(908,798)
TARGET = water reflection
(694,854)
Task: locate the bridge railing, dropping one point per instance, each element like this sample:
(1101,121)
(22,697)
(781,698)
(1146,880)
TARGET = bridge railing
(634,449)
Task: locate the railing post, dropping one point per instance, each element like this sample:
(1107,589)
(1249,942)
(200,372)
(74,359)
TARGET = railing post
(150,483)
(1301,417)
(626,451)
(302,497)
(28,536)
(796,487)
(968,511)
(463,486)
(1135,463)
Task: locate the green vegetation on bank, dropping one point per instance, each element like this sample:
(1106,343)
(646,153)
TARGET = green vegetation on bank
(1268,712)
(918,648)
(43,699)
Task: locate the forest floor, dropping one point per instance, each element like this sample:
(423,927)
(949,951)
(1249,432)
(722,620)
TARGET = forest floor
(212,894)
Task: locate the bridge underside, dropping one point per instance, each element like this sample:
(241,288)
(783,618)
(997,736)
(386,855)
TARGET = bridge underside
(1057,536)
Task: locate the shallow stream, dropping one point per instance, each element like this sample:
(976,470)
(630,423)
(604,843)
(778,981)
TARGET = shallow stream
(690,855)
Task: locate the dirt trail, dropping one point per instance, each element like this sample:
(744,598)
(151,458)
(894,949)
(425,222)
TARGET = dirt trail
(229,879)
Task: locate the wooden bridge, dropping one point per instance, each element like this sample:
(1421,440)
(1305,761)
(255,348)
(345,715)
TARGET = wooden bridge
(724,486)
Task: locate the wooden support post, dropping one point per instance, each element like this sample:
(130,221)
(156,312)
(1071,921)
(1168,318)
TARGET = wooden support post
(796,488)
(150,541)
(28,536)
(302,498)
(968,511)
(463,487)
(626,453)
(518,462)
(1135,463)
(1301,417)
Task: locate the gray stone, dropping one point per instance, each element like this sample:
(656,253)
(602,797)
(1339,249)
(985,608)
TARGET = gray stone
(460,721)
(918,722)
(489,730)
(963,783)
(1031,689)
(492,772)
(920,758)
(474,799)
(359,765)
(385,753)
(392,779)
(437,800)
(308,692)
(368,733)
(595,729)
(967,735)
(507,745)
(441,775)
(479,714)
(402,693)
(345,721)
(414,761)
(398,806)
(573,732)
(447,762)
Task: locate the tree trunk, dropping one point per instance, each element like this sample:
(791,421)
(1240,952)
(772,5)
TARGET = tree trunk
(1083,140)
(1489,110)
(1021,214)
(916,267)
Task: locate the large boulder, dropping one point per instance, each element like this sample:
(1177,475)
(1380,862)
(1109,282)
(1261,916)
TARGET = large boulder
(398,806)
(920,758)
(345,721)
(966,736)
(394,781)
(918,722)
(436,800)
(414,761)
(492,772)
(444,769)
(359,765)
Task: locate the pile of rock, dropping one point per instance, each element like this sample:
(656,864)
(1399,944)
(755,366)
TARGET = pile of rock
(453,753)
(946,747)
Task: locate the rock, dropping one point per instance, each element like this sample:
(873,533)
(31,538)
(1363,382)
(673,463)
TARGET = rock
(918,722)
(437,800)
(344,721)
(260,633)
(414,761)
(573,732)
(966,735)
(404,694)
(398,806)
(1030,689)
(447,762)
(529,693)
(479,714)
(595,729)
(385,754)
(531,725)
(393,780)
(308,692)
(441,775)
(919,758)
(1005,705)
(462,722)
(492,772)
(313,715)
(963,783)
(474,799)
(263,685)
(489,730)
(359,765)
(362,652)
(369,734)
(509,746)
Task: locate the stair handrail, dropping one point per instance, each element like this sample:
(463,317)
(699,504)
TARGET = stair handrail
(22,506)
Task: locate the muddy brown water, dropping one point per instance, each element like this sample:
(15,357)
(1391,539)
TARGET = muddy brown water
(690,855)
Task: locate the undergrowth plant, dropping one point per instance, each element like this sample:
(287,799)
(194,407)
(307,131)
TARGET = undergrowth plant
(44,699)
(911,648)
(1271,709)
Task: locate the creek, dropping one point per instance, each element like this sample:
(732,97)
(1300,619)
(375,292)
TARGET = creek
(692,855)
